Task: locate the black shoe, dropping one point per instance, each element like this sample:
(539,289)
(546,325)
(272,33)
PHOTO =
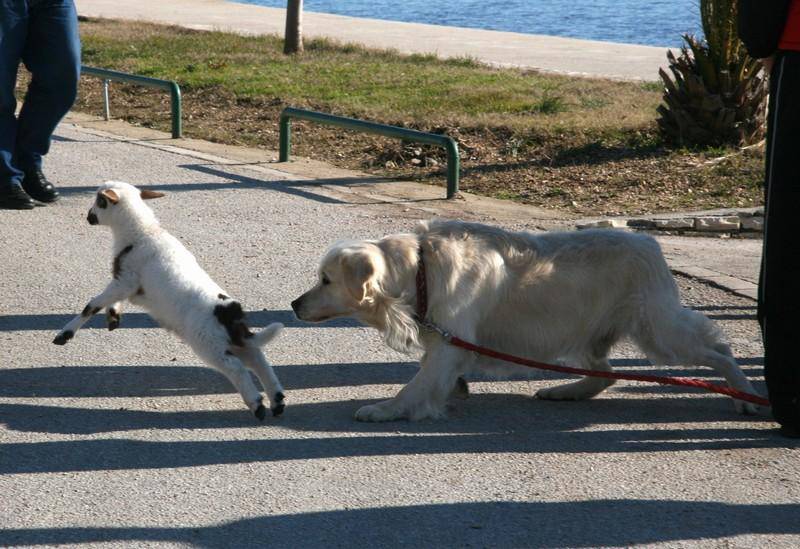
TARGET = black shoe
(790,431)
(38,187)
(12,197)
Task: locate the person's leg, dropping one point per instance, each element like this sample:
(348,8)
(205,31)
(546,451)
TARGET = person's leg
(779,306)
(13,30)
(52,55)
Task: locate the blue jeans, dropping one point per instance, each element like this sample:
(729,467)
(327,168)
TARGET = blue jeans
(43,34)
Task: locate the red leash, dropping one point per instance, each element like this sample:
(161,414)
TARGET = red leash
(422,306)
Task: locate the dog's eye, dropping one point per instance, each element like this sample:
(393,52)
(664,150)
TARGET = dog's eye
(325,280)
(101,201)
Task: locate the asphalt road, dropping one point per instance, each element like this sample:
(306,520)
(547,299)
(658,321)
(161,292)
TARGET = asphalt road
(126,439)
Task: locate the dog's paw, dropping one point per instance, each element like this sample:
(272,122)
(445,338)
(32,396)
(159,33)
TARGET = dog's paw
(555,393)
(279,406)
(63,337)
(378,412)
(461,390)
(747,408)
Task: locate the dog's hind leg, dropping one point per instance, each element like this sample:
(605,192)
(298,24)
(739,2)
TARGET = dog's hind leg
(721,360)
(426,394)
(583,388)
(690,338)
(596,359)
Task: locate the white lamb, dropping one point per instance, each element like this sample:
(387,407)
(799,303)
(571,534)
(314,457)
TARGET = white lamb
(154,270)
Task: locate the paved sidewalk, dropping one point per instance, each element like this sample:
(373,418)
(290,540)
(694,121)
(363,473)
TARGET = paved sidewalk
(125,439)
(548,53)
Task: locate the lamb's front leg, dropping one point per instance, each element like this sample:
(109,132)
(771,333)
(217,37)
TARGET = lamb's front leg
(426,395)
(117,290)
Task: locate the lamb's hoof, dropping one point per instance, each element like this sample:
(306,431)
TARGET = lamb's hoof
(63,337)
(261,412)
(279,405)
(113,322)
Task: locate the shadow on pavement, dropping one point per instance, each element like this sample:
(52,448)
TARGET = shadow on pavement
(486,423)
(164,381)
(256,319)
(592,523)
(170,379)
(296,187)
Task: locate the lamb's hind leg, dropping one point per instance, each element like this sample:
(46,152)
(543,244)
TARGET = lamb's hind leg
(232,368)
(256,361)
(113,316)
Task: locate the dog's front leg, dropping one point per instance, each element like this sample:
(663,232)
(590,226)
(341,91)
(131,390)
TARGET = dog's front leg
(426,395)
(117,290)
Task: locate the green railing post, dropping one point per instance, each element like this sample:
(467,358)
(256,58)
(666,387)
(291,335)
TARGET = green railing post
(285,137)
(177,115)
(450,145)
(453,167)
(168,85)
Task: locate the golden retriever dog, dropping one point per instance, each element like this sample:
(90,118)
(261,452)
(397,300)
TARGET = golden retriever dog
(566,296)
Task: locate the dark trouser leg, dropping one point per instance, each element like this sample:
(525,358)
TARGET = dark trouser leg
(779,289)
(13,30)
(52,55)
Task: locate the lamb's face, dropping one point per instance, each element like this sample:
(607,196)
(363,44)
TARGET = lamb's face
(115,201)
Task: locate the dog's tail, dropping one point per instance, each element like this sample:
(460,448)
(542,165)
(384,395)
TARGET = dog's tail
(261,338)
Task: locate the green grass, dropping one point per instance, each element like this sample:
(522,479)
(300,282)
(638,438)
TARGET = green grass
(383,84)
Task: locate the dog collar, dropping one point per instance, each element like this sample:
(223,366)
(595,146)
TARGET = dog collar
(422,288)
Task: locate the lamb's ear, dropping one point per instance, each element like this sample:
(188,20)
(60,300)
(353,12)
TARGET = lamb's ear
(358,272)
(147,194)
(110,195)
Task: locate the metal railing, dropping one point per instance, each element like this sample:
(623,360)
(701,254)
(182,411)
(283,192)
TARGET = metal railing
(450,145)
(169,85)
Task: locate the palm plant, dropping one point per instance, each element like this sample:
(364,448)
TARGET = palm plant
(717,92)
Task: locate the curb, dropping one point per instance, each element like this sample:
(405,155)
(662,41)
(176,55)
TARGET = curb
(743,223)
(736,286)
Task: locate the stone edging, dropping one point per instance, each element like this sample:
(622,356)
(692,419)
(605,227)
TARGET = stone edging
(743,222)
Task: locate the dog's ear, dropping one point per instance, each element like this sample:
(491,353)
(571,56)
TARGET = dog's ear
(358,271)
(110,195)
(147,194)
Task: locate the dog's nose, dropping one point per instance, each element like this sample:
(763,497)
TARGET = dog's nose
(91,218)
(295,305)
